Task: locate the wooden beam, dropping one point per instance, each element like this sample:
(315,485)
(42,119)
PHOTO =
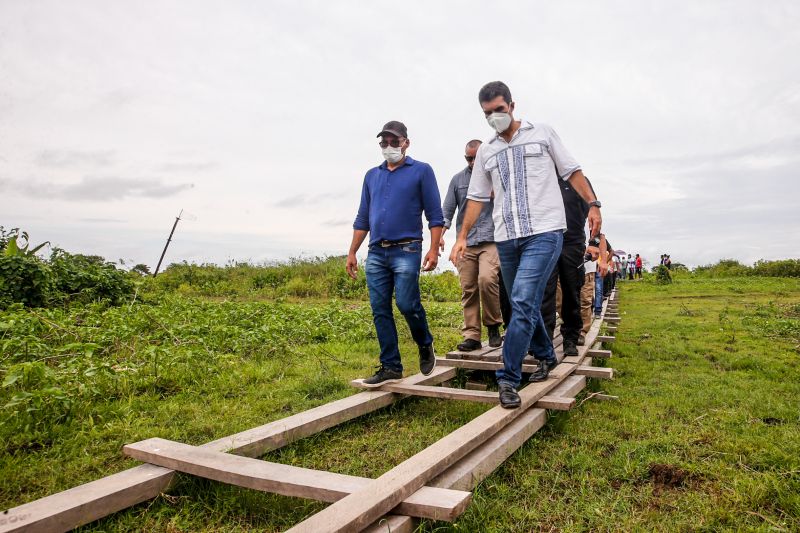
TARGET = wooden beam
(603,354)
(481,365)
(481,462)
(360,509)
(86,503)
(611,329)
(606,338)
(428,502)
(611,319)
(436,392)
(555,403)
(595,372)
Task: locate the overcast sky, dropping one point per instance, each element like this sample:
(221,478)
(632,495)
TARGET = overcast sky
(259,118)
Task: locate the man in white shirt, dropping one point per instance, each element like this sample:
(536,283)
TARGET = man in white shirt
(522,164)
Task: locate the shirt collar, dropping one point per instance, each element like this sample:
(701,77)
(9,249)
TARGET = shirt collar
(524,125)
(408,161)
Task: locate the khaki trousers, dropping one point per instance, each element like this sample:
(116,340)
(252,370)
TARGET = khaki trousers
(587,297)
(479,272)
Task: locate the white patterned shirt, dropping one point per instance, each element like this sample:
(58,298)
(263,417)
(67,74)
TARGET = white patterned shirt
(524,175)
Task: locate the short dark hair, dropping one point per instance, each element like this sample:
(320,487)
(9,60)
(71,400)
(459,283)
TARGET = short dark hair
(473,143)
(492,90)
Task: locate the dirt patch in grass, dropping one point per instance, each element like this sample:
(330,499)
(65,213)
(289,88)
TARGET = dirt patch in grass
(664,476)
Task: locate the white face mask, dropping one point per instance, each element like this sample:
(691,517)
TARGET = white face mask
(392,155)
(499,121)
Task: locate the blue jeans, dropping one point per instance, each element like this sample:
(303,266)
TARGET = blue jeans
(396,269)
(526,265)
(598,293)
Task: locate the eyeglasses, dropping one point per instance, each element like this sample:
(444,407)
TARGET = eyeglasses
(394,143)
(469,158)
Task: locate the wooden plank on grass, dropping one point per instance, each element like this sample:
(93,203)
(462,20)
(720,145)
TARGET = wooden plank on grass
(556,403)
(86,503)
(595,372)
(606,338)
(478,464)
(428,502)
(603,354)
(360,509)
(611,319)
(435,392)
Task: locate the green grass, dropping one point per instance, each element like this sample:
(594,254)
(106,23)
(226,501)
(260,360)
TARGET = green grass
(705,436)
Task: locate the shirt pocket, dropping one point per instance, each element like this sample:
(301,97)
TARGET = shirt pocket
(537,161)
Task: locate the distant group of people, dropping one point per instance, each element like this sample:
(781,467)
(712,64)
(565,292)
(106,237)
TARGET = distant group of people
(666,261)
(523,207)
(630,265)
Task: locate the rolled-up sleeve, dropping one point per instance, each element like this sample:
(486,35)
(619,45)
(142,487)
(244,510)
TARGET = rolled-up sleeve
(362,218)
(449,206)
(431,199)
(566,165)
(480,184)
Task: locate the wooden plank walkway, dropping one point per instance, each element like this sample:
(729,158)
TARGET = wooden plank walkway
(458,461)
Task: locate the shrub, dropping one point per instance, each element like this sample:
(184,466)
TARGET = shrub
(88,278)
(24,279)
(662,274)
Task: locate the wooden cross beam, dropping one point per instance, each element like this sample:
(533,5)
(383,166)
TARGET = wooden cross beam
(428,502)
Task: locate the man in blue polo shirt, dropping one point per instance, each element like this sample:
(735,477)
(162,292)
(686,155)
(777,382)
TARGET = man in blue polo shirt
(393,197)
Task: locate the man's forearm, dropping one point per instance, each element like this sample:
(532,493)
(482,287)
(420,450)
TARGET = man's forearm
(358,237)
(436,236)
(471,213)
(581,186)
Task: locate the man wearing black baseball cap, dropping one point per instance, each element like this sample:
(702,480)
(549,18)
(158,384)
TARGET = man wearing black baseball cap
(393,197)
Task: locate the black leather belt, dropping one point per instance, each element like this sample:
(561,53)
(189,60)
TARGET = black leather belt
(389,244)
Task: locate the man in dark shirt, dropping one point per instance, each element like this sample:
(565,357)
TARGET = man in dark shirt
(569,270)
(393,197)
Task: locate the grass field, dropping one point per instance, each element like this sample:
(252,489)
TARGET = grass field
(706,435)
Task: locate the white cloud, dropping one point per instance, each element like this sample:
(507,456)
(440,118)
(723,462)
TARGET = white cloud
(686,117)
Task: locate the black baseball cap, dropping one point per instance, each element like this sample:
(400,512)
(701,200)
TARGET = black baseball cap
(396,128)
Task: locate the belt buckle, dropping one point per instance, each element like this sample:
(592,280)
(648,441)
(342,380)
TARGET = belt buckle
(386,244)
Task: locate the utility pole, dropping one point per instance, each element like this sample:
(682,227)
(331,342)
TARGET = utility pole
(169,239)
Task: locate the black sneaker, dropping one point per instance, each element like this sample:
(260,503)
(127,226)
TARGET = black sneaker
(468,345)
(427,359)
(570,348)
(383,376)
(581,340)
(509,398)
(494,336)
(543,371)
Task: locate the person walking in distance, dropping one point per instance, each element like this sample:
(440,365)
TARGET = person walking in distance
(479,268)
(522,165)
(631,267)
(638,267)
(393,197)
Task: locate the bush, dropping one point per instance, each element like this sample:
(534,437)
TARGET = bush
(24,279)
(88,278)
(662,274)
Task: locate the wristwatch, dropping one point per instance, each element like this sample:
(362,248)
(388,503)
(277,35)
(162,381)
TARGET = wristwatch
(596,203)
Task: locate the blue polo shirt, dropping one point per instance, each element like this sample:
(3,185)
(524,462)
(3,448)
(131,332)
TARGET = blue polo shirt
(392,202)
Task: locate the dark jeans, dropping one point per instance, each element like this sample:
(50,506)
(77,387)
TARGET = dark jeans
(570,271)
(526,265)
(396,269)
(505,304)
(598,293)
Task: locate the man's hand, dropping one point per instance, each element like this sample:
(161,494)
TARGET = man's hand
(595,221)
(352,266)
(441,245)
(431,260)
(457,253)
